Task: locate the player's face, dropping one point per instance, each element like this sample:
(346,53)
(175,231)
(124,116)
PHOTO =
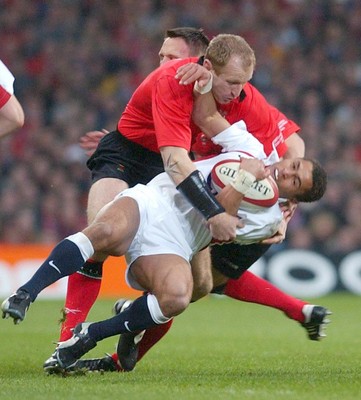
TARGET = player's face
(173,49)
(293,176)
(229,80)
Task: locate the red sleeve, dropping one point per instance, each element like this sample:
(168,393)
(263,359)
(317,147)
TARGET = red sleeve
(4,96)
(286,126)
(255,112)
(172,109)
(263,120)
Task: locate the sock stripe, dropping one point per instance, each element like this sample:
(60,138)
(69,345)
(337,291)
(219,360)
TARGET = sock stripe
(84,244)
(155,311)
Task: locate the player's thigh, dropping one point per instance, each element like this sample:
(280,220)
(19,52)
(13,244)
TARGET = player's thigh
(102,192)
(163,275)
(232,259)
(114,227)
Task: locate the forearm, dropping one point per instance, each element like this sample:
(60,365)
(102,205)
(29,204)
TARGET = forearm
(234,192)
(206,116)
(230,199)
(189,181)
(177,163)
(11,116)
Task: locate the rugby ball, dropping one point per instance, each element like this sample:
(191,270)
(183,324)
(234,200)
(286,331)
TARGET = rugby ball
(263,193)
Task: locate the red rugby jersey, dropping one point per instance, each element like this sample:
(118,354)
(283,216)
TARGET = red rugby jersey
(159,112)
(263,120)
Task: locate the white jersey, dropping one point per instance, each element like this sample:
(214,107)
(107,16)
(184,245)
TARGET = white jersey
(169,224)
(6,78)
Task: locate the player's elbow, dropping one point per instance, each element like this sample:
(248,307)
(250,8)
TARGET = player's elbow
(11,117)
(18,115)
(20,120)
(17,122)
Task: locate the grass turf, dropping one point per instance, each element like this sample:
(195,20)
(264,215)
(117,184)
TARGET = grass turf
(218,349)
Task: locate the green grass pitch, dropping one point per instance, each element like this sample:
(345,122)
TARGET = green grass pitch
(218,349)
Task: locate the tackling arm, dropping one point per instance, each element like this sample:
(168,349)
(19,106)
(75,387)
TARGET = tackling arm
(177,163)
(206,116)
(231,196)
(11,116)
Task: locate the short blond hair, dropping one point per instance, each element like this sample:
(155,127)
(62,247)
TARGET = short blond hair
(223,46)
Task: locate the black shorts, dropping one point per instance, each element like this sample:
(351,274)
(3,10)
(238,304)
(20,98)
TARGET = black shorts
(118,157)
(232,259)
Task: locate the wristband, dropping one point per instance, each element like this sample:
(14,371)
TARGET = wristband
(199,194)
(243,181)
(205,89)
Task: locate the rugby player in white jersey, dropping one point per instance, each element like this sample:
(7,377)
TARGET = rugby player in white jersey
(160,232)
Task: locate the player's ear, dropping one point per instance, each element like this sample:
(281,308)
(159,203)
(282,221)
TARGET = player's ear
(207,64)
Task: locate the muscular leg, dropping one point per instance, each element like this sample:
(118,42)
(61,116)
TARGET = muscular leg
(232,262)
(167,277)
(253,289)
(84,286)
(102,192)
(134,350)
(248,287)
(112,231)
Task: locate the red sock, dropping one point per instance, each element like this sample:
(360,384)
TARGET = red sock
(81,294)
(150,338)
(254,289)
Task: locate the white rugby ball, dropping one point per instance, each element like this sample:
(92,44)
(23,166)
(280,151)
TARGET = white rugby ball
(263,193)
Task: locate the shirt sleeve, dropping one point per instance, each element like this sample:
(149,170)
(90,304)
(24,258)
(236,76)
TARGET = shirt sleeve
(286,126)
(6,78)
(4,96)
(172,106)
(266,122)
(237,138)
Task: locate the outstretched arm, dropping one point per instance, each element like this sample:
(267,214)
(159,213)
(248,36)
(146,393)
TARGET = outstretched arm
(11,116)
(192,185)
(89,142)
(205,114)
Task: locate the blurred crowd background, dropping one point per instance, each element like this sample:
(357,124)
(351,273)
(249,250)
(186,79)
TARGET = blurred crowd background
(77,62)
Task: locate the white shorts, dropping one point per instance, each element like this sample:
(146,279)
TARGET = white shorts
(163,228)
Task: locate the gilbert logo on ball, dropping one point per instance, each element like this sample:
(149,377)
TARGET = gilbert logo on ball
(263,193)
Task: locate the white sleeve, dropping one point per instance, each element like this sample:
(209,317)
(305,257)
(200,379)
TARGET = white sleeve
(6,78)
(237,138)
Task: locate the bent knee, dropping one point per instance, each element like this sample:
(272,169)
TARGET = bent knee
(172,305)
(103,237)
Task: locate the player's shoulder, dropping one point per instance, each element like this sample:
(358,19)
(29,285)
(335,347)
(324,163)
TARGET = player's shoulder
(165,74)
